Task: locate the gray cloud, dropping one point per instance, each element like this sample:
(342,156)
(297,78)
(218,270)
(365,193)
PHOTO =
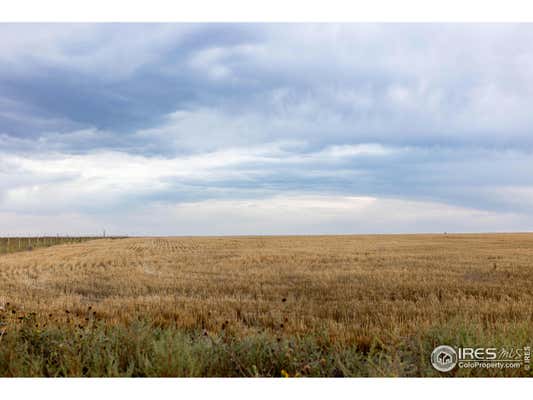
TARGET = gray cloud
(105,120)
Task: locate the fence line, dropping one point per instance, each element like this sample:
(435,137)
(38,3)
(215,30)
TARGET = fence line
(11,244)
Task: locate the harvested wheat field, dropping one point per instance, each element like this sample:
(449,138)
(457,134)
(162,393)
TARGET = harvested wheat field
(262,306)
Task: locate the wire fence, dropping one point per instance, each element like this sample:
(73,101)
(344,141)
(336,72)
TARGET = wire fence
(11,244)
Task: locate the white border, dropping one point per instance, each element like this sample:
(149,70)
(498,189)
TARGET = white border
(267,389)
(265,11)
(271,11)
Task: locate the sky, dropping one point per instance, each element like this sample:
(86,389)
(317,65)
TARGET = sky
(239,129)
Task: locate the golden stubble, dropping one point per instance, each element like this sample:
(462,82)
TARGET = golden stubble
(346,286)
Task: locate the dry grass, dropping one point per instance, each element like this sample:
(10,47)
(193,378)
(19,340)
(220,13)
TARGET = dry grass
(355,290)
(16,244)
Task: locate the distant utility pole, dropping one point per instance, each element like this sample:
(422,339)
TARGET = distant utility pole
(104,232)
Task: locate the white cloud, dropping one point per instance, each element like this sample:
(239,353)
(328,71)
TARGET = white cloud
(96,180)
(281,214)
(297,214)
(217,62)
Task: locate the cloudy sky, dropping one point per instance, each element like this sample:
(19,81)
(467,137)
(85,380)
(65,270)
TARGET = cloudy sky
(265,129)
